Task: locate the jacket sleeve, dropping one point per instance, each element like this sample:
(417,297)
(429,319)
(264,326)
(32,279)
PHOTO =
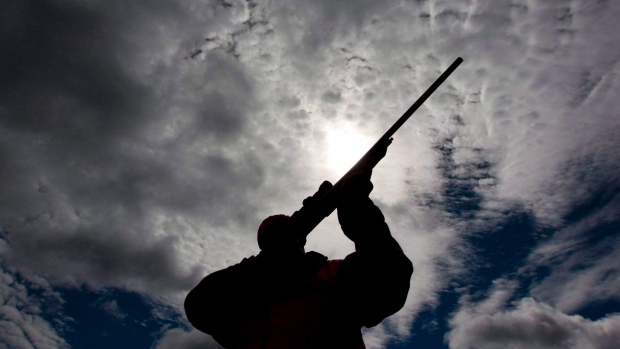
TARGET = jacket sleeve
(213,306)
(220,305)
(375,278)
(225,303)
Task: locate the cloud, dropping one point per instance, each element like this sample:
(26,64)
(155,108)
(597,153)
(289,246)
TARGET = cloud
(112,308)
(141,144)
(178,338)
(581,258)
(531,324)
(102,163)
(21,324)
(376,337)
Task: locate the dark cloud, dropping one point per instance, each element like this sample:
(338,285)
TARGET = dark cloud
(290,102)
(226,99)
(86,160)
(62,73)
(101,258)
(331,97)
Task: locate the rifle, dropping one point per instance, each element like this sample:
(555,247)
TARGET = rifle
(325,202)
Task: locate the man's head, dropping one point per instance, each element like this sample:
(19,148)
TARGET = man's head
(275,235)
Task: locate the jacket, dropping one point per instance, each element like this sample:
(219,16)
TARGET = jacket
(307,301)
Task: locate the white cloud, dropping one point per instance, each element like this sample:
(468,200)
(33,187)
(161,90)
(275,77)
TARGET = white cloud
(177,338)
(582,261)
(531,325)
(376,337)
(21,324)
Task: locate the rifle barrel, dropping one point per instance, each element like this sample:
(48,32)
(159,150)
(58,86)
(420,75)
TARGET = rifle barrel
(422,98)
(407,114)
(328,202)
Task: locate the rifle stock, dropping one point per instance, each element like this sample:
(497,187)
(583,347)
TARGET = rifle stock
(307,218)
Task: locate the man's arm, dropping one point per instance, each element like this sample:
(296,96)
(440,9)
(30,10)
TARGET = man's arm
(218,305)
(375,278)
(225,303)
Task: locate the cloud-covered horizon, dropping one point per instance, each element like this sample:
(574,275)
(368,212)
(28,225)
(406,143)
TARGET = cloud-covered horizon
(141,145)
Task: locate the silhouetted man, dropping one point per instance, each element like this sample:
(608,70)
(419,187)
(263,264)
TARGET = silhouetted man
(286,298)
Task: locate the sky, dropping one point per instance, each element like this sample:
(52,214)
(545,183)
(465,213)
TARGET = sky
(143,142)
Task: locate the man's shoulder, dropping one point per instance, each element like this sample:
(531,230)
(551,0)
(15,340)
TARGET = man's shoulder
(330,271)
(310,260)
(315,258)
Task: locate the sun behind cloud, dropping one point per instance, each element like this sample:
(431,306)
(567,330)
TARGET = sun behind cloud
(345,147)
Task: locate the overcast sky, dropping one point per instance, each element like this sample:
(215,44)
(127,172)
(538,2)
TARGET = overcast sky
(143,142)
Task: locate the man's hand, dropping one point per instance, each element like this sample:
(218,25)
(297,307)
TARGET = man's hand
(311,201)
(361,221)
(357,185)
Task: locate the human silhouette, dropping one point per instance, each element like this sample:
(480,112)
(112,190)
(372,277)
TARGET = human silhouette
(287,298)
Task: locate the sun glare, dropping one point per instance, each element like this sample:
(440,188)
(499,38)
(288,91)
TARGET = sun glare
(345,148)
